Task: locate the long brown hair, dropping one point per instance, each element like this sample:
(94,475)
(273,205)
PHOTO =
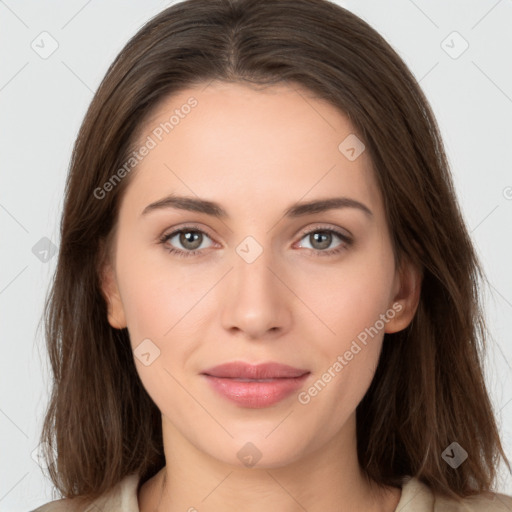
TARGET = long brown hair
(428,390)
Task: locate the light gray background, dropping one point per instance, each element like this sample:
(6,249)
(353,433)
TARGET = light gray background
(43,102)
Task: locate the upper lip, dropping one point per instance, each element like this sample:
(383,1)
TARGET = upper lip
(239,369)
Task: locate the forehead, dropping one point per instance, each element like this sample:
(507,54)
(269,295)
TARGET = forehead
(234,143)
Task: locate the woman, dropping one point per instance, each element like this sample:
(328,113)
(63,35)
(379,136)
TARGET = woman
(266,297)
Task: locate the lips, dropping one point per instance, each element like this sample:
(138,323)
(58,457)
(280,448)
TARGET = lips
(255,386)
(265,371)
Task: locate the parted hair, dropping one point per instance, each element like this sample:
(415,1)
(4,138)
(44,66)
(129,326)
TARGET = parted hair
(428,390)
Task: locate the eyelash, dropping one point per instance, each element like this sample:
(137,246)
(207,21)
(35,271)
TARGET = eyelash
(347,241)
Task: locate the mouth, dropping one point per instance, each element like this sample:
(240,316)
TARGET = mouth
(255,386)
(250,380)
(264,371)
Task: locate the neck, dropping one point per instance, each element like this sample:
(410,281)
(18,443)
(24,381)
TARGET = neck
(328,478)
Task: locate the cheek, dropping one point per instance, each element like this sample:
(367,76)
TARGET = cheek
(347,352)
(158,301)
(356,299)
(156,293)
(353,304)
(151,310)
(349,298)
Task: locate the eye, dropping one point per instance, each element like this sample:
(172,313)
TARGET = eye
(322,238)
(191,239)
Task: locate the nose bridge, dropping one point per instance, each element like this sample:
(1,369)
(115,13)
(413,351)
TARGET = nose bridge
(254,301)
(254,281)
(251,266)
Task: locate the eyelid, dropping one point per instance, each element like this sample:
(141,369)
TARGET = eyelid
(343,232)
(301,232)
(192,227)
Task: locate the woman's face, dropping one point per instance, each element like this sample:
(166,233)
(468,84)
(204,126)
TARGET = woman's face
(270,280)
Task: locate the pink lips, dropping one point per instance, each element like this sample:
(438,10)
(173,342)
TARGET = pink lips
(255,386)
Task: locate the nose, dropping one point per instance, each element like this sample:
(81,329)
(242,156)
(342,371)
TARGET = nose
(255,299)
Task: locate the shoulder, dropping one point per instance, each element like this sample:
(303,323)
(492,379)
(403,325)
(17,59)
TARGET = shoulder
(494,502)
(418,497)
(121,498)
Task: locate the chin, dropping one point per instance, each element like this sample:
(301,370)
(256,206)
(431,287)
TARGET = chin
(248,452)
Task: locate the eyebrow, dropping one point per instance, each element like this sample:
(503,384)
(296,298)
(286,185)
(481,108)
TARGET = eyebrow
(214,209)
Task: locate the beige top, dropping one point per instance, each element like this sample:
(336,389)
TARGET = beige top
(416,497)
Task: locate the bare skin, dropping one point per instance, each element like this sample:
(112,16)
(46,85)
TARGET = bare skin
(257,152)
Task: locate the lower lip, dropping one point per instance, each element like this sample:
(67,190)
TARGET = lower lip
(256,394)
